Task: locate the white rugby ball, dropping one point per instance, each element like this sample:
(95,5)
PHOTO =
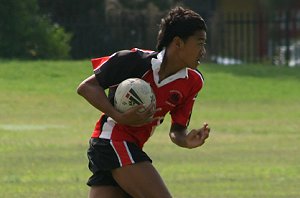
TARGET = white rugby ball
(133,92)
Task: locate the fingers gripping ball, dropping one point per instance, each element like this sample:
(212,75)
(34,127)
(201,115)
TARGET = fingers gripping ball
(132,92)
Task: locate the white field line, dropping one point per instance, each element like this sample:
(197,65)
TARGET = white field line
(28,127)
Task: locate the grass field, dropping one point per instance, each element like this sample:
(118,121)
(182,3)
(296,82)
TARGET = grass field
(253,150)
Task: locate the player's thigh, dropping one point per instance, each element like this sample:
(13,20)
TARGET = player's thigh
(107,192)
(141,180)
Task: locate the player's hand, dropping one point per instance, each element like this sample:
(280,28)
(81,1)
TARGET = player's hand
(137,116)
(197,137)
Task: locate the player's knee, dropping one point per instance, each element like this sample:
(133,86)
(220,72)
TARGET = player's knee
(152,194)
(106,192)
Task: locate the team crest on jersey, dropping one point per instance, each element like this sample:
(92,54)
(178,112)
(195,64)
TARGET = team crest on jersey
(133,98)
(174,97)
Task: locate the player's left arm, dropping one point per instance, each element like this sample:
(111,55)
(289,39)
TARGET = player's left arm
(195,138)
(180,120)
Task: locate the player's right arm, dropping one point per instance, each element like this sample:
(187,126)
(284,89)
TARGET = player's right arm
(96,96)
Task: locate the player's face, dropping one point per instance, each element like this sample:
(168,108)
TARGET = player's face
(194,49)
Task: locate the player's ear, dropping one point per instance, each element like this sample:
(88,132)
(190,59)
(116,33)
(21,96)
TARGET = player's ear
(178,42)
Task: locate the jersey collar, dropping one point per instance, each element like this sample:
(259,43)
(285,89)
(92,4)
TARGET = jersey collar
(156,63)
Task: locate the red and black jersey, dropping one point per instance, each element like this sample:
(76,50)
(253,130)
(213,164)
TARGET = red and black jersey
(175,94)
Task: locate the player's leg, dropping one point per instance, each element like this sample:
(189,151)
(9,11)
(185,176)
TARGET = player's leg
(101,182)
(141,180)
(107,192)
(103,185)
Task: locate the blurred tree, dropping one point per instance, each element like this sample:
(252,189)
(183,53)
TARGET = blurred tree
(25,33)
(86,21)
(280,4)
(138,4)
(100,27)
(203,7)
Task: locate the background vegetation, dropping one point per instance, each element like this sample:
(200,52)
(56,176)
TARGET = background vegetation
(27,33)
(55,29)
(253,150)
(61,29)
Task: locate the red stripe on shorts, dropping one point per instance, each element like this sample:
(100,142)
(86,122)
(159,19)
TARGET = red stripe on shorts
(122,152)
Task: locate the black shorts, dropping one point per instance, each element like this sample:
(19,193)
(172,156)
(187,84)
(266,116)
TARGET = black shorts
(105,155)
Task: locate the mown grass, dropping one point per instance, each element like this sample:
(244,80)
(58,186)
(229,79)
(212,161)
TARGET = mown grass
(253,150)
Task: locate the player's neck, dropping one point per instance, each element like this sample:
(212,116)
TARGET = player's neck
(167,69)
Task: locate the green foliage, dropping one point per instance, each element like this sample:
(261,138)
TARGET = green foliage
(25,33)
(86,21)
(280,4)
(94,34)
(137,4)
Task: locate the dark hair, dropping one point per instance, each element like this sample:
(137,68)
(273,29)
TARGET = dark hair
(179,22)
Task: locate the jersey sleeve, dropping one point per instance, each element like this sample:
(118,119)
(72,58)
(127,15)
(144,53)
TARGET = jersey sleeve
(111,70)
(181,114)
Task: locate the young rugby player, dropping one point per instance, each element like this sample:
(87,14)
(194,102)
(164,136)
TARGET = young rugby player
(120,167)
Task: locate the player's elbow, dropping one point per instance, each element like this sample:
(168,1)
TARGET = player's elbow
(86,85)
(81,89)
